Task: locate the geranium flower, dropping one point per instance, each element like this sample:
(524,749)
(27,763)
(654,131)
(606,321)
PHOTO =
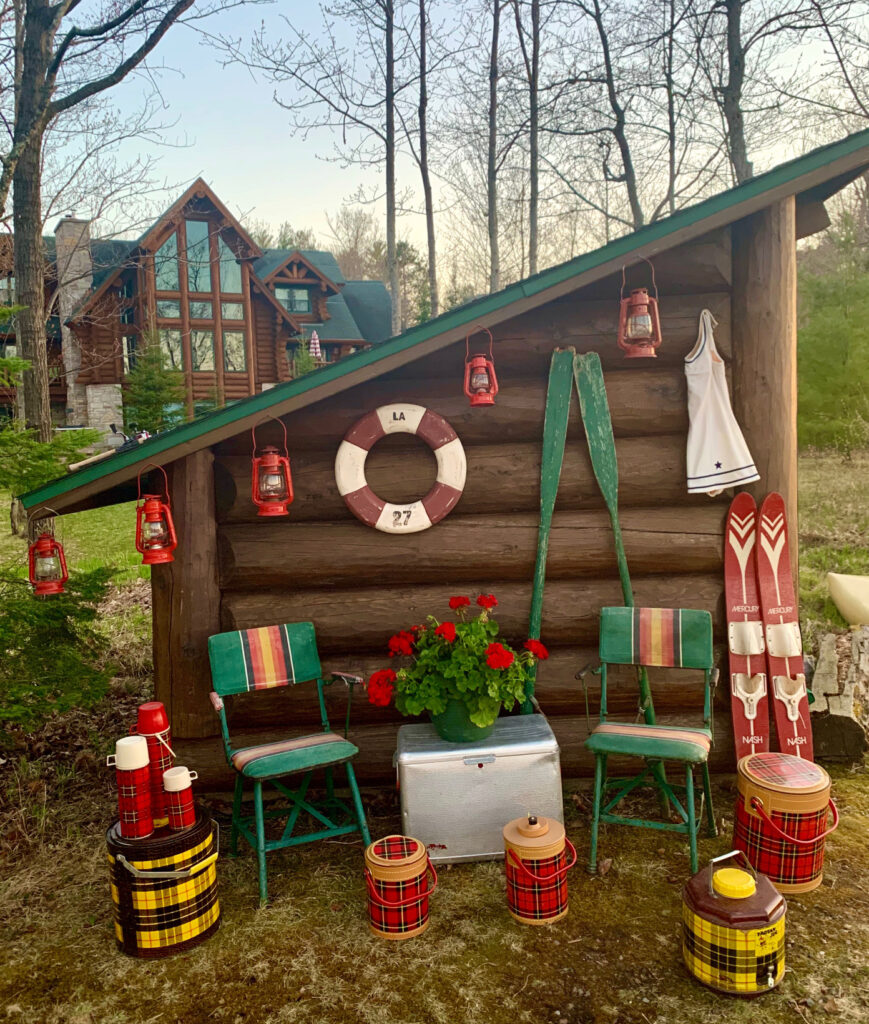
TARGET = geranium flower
(380,687)
(459,602)
(497,656)
(537,649)
(487,601)
(401,643)
(447,630)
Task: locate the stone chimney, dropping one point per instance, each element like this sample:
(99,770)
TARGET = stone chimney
(74,280)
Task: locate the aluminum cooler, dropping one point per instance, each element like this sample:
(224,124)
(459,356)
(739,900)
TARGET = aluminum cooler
(457,797)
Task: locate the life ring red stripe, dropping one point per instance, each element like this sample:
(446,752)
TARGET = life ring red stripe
(440,500)
(435,430)
(365,505)
(366,432)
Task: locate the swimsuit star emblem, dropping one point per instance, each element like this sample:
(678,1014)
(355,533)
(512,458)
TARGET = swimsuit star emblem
(718,465)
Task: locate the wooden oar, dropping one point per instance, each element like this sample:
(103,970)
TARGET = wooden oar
(602,449)
(558,398)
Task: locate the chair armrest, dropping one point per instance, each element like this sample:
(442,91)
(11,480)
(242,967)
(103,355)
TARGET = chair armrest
(349,678)
(713,679)
(216,701)
(583,672)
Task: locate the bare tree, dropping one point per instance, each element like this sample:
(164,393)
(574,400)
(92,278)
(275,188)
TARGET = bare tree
(492,153)
(531,61)
(63,64)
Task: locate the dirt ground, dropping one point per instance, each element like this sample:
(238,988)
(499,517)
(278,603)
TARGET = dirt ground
(308,957)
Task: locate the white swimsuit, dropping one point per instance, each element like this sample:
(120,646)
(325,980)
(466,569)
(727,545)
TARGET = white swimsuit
(718,456)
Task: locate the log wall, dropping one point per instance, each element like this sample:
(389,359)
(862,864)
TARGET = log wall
(359,586)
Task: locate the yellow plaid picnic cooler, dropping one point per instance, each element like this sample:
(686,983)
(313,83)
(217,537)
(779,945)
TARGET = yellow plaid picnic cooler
(164,888)
(733,928)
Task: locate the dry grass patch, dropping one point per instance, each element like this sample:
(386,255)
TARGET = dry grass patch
(309,956)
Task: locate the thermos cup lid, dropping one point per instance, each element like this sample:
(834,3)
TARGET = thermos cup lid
(131,752)
(734,883)
(152,718)
(177,778)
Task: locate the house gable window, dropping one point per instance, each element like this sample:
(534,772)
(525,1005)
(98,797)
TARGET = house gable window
(173,352)
(294,300)
(234,355)
(230,271)
(202,349)
(166,265)
(198,256)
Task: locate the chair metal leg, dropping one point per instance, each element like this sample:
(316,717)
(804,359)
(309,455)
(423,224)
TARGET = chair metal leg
(330,784)
(357,805)
(707,789)
(692,825)
(260,841)
(599,779)
(236,815)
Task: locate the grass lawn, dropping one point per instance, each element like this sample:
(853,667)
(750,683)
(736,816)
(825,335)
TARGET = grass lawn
(309,957)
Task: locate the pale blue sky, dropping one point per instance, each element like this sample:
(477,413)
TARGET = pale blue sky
(238,139)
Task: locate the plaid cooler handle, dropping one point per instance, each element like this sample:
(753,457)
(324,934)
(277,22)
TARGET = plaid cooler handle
(378,899)
(757,805)
(560,873)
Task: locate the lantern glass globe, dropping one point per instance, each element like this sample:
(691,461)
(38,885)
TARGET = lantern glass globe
(639,326)
(155,534)
(272,485)
(47,567)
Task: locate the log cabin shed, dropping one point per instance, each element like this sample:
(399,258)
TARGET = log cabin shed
(734,254)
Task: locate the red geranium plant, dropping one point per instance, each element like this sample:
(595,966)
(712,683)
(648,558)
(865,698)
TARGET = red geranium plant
(462,661)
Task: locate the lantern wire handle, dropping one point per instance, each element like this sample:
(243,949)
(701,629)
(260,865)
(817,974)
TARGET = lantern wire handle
(165,479)
(277,420)
(476,330)
(654,283)
(38,516)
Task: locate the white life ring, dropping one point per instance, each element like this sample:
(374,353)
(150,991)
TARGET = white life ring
(400,419)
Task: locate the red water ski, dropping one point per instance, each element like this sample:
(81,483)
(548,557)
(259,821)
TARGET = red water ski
(784,644)
(749,704)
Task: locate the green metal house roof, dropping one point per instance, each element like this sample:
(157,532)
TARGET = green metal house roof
(371,307)
(805,173)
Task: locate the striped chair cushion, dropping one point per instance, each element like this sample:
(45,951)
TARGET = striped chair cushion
(671,743)
(299,753)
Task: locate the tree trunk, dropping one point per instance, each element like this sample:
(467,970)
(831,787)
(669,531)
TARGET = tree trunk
(492,154)
(731,94)
(434,297)
(27,218)
(391,244)
(533,136)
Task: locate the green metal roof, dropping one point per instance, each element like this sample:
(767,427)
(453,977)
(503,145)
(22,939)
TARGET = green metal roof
(704,216)
(371,307)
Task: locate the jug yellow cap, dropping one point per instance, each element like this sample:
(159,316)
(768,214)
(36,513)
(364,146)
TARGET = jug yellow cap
(734,883)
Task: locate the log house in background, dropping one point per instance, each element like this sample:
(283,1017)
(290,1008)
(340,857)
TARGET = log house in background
(734,254)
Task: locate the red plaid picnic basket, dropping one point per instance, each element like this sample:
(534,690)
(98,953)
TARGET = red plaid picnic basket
(396,873)
(536,865)
(781,818)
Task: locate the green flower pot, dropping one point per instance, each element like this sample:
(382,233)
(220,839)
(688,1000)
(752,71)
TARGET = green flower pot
(455,726)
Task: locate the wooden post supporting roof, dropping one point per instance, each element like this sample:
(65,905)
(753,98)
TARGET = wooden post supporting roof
(764,330)
(186,601)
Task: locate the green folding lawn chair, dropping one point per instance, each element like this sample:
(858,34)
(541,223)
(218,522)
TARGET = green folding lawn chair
(252,660)
(676,638)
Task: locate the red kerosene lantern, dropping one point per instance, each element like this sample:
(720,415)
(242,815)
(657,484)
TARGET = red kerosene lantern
(46,562)
(271,485)
(481,384)
(639,323)
(155,531)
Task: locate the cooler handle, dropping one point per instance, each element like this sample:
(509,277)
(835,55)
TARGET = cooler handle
(184,872)
(547,878)
(757,805)
(727,856)
(378,899)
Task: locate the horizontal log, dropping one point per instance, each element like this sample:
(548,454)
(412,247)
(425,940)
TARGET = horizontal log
(525,343)
(501,478)
(362,619)
(377,744)
(644,400)
(464,548)
(557,690)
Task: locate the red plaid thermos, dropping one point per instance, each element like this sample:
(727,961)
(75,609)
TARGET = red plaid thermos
(130,761)
(178,787)
(153,723)
(396,873)
(535,859)
(781,818)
